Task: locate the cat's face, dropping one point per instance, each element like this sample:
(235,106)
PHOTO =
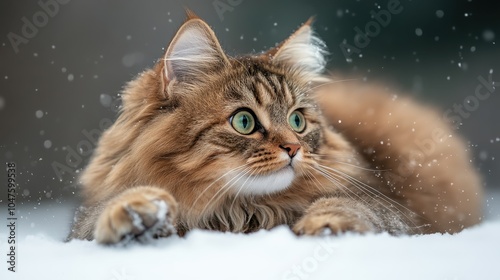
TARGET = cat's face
(257,125)
(246,124)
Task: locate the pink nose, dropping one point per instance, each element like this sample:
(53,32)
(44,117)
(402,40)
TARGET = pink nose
(291,148)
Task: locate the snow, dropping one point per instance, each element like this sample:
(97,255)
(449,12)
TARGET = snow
(488,35)
(275,254)
(418,32)
(39,114)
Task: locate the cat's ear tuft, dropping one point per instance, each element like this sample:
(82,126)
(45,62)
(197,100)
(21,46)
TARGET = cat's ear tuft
(303,51)
(191,15)
(193,53)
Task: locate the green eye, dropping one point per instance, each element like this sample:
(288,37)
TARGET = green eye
(297,121)
(243,122)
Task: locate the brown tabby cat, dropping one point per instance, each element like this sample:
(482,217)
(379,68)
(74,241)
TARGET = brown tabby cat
(240,144)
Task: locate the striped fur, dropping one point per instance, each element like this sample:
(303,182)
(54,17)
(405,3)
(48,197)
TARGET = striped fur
(174,142)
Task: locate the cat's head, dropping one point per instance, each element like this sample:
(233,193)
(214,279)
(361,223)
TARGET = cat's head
(247,124)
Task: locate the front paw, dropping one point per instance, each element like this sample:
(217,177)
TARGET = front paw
(139,214)
(330,224)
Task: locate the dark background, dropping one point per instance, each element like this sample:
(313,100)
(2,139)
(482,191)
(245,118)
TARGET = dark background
(66,79)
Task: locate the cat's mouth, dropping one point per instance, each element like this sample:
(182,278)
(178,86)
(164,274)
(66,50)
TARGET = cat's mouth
(267,183)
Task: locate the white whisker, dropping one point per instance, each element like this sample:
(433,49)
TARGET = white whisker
(328,157)
(337,183)
(227,186)
(218,179)
(243,185)
(370,189)
(372,192)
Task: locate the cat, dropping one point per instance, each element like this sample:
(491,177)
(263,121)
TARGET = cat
(239,144)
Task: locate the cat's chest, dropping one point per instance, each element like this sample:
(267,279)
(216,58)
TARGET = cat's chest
(243,216)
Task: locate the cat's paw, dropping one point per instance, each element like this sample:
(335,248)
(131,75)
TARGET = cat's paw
(139,214)
(329,224)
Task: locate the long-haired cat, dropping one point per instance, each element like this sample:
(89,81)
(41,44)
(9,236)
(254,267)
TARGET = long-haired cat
(238,144)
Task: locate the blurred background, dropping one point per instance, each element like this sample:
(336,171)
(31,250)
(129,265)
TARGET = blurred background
(64,62)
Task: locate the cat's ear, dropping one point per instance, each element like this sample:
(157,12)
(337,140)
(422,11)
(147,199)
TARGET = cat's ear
(303,51)
(193,52)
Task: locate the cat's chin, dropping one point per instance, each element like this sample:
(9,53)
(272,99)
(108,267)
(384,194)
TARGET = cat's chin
(265,184)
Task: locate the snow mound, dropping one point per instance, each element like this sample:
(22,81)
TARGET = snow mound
(275,254)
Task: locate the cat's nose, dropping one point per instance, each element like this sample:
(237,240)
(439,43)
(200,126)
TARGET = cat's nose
(291,148)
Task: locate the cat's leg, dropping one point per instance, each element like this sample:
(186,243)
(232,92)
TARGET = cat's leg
(333,215)
(138,213)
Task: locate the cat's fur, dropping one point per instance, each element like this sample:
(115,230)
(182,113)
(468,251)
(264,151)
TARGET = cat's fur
(371,161)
